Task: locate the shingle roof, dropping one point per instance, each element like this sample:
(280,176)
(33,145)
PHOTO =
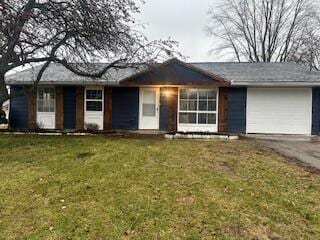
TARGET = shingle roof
(58,74)
(261,72)
(236,73)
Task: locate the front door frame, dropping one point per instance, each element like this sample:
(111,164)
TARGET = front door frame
(46,115)
(157,117)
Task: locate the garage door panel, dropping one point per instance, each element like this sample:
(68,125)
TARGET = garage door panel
(284,111)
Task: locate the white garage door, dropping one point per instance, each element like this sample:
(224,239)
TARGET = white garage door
(279,110)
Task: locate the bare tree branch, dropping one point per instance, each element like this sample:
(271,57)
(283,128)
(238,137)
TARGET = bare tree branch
(267,30)
(74,31)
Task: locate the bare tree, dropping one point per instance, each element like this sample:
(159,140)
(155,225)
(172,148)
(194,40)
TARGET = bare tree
(73,31)
(266,30)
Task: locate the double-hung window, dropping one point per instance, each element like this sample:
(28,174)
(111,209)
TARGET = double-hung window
(46,99)
(94,100)
(198,107)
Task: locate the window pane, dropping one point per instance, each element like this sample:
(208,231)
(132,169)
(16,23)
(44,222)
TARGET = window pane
(192,94)
(149,110)
(40,94)
(149,96)
(183,94)
(203,105)
(203,94)
(51,106)
(94,94)
(189,118)
(212,119)
(212,106)
(46,104)
(40,105)
(183,105)
(202,118)
(50,93)
(212,94)
(46,100)
(192,105)
(94,106)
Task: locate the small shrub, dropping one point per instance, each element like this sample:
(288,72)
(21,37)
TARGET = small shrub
(92,126)
(39,125)
(3,119)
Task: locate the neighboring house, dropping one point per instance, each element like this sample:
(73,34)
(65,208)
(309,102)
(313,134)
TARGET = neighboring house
(6,107)
(272,98)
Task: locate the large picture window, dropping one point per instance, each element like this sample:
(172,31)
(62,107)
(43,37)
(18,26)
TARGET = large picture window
(198,106)
(46,99)
(94,100)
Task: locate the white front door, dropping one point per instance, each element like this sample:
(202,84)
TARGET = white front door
(46,117)
(94,108)
(149,108)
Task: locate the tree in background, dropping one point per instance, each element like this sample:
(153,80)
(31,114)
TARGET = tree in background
(268,30)
(73,31)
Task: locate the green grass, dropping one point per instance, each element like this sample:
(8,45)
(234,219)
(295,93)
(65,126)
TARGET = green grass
(114,188)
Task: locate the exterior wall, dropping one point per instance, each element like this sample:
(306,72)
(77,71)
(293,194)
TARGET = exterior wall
(316,111)
(125,105)
(164,110)
(59,111)
(18,109)
(79,108)
(69,107)
(107,118)
(168,108)
(174,73)
(237,104)
(223,110)
(123,109)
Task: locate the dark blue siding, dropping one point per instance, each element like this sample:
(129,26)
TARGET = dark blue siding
(69,107)
(237,105)
(164,111)
(18,109)
(174,73)
(316,111)
(125,108)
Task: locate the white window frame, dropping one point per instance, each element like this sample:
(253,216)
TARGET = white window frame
(93,100)
(196,127)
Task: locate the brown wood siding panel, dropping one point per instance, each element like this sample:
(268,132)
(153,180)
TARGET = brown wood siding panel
(107,117)
(80,108)
(59,108)
(173,109)
(223,110)
(32,110)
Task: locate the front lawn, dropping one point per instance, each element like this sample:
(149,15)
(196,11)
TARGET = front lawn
(114,188)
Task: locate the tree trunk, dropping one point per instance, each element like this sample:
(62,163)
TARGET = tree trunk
(4,96)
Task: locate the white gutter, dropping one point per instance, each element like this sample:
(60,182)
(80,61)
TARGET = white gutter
(65,83)
(276,84)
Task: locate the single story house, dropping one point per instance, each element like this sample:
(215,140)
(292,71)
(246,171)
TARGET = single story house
(269,98)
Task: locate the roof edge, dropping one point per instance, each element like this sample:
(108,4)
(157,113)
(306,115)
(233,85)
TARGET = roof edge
(213,76)
(276,84)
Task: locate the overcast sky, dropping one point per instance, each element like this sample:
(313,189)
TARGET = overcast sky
(184,21)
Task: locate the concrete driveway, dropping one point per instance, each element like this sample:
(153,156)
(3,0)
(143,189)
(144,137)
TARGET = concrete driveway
(303,148)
